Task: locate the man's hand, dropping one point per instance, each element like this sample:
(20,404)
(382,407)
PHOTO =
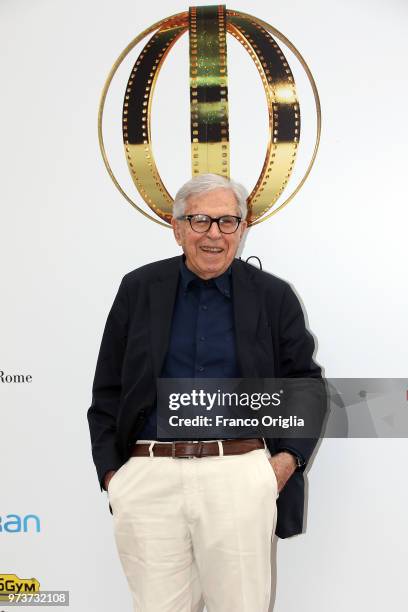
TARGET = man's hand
(108,476)
(283,464)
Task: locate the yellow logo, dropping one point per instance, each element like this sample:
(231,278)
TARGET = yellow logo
(208,27)
(11,583)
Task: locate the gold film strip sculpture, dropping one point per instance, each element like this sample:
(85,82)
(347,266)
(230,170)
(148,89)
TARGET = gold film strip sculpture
(208,27)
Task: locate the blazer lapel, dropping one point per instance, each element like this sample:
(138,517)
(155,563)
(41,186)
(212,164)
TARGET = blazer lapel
(246,313)
(162,295)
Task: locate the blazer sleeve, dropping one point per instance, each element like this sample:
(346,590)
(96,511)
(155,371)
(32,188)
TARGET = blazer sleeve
(107,387)
(296,348)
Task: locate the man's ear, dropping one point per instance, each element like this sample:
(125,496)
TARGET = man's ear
(176,230)
(244,226)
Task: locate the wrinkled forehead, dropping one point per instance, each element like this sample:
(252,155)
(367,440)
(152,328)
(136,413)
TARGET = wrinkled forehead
(214,203)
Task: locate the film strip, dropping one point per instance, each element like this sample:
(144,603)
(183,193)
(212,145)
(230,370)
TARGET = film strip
(136,117)
(283,113)
(208,27)
(209,90)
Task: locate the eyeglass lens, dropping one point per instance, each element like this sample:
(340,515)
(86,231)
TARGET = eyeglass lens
(201,223)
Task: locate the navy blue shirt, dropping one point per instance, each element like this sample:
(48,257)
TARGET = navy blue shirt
(202,338)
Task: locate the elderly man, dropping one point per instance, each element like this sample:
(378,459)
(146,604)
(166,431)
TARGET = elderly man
(201,529)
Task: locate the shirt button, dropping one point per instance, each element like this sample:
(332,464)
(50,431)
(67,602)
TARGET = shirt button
(204,307)
(202,338)
(200,369)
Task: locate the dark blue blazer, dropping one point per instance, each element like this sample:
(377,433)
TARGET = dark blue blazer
(271,341)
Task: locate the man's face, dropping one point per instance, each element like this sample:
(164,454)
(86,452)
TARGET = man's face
(209,254)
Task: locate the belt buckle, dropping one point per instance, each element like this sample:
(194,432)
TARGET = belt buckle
(173,452)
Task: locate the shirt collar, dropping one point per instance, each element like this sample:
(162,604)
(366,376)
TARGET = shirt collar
(222,282)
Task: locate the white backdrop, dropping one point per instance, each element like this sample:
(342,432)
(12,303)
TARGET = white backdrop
(68,237)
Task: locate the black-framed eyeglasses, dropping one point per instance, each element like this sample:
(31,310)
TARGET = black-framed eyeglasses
(227,224)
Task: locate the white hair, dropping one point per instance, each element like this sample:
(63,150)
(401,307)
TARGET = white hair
(207,182)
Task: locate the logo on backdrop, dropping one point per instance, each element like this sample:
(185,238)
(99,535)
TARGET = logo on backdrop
(208,27)
(16,523)
(9,378)
(11,583)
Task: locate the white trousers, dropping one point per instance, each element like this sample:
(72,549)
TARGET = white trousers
(189,530)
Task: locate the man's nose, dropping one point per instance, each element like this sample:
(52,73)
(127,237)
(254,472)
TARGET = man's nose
(214,231)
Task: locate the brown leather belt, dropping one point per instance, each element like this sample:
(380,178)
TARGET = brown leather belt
(198,449)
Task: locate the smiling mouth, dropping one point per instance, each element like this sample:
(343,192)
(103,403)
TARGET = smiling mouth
(213,250)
